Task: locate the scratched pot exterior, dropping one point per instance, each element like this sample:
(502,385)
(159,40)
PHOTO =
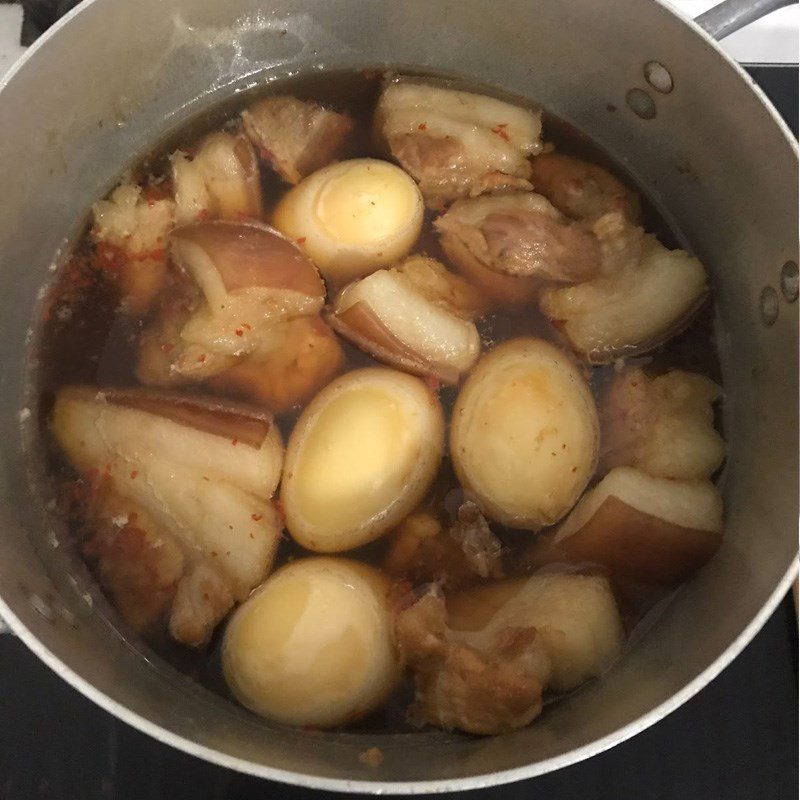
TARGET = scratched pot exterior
(114,77)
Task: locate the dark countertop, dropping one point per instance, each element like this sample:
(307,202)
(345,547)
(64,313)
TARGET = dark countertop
(736,740)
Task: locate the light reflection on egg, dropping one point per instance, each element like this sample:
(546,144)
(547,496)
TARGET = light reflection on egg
(353,217)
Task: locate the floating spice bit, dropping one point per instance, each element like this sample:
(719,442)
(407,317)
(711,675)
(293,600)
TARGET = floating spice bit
(371,757)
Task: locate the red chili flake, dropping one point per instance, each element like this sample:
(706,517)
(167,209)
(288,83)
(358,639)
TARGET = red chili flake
(234,442)
(500,132)
(422,126)
(301,240)
(134,473)
(267,155)
(281,512)
(256,517)
(202,214)
(167,347)
(246,326)
(201,358)
(239,332)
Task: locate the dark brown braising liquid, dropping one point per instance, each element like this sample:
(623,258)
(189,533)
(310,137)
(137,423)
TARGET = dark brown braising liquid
(82,338)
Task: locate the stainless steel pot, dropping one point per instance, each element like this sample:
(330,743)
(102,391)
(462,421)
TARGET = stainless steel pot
(110,79)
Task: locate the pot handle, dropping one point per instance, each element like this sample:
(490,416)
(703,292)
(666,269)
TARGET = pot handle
(730,15)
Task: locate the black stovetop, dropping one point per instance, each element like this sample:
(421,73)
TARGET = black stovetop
(736,740)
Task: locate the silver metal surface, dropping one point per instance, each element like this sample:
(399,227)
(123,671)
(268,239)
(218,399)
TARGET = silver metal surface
(658,76)
(729,16)
(790,285)
(109,80)
(768,305)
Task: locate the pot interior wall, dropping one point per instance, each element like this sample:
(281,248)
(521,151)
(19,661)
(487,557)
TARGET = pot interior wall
(114,79)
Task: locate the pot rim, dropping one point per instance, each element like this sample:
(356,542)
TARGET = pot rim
(574,756)
(656,714)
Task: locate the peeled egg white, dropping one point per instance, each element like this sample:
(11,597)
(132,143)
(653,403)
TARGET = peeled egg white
(360,458)
(524,434)
(313,645)
(353,217)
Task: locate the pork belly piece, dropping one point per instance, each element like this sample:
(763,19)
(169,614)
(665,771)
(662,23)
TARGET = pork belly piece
(482,658)
(137,563)
(130,232)
(490,688)
(454,143)
(519,235)
(443,287)
(303,356)
(250,276)
(416,316)
(295,137)
(663,425)
(244,286)
(424,550)
(644,530)
(582,190)
(644,295)
(179,503)
(575,616)
(219,180)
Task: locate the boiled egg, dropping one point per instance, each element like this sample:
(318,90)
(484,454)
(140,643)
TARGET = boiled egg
(313,645)
(353,217)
